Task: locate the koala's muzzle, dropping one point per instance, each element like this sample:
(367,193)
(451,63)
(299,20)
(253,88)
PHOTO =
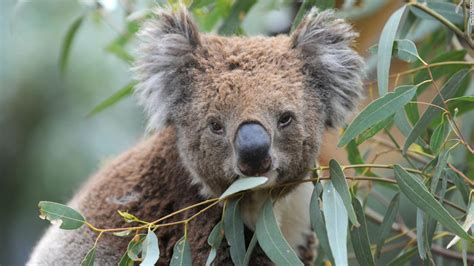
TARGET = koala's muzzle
(252,146)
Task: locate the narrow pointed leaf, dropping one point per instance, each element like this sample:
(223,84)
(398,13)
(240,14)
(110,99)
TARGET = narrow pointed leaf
(317,221)
(387,222)
(122,233)
(89,258)
(67,42)
(371,131)
(417,193)
(385,47)
(360,237)
(62,215)
(214,240)
(181,253)
(115,98)
(420,239)
(403,258)
(250,248)
(335,215)
(151,252)
(460,185)
(447,91)
(338,179)
(125,260)
(244,184)
(377,111)
(439,136)
(440,165)
(234,231)
(271,239)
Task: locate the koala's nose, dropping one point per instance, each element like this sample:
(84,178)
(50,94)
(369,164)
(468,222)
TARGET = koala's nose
(252,144)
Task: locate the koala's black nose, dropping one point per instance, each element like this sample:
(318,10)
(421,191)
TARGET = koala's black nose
(252,144)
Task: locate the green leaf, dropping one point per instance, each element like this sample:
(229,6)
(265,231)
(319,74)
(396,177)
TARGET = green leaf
(461,99)
(128,217)
(385,45)
(243,184)
(440,165)
(448,90)
(234,231)
(214,240)
(387,222)
(420,230)
(340,184)
(115,98)
(447,10)
(404,258)
(150,250)
(417,193)
(317,221)
(250,248)
(406,50)
(200,3)
(460,184)
(181,253)
(135,247)
(371,131)
(377,111)
(439,136)
(125,260)
(467,223)
(360,237)
(67,42)
(411,109)
(232,22)
(89,258)
(271,239)
(62,215)
(335,215)
(306,6)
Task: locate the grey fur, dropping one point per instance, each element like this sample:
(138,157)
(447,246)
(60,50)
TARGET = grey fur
(334,69)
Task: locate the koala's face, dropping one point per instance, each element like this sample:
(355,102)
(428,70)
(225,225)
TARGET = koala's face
(248,106)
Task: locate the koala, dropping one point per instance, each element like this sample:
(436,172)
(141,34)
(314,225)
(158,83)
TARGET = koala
(220,109)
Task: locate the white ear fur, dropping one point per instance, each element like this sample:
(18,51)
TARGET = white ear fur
(334,68)
(166,51)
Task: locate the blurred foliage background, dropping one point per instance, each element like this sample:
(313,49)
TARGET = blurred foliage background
(49,142)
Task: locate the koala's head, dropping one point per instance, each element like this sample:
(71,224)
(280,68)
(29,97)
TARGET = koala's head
(247,106)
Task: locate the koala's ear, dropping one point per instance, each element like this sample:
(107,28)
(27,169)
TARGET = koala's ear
(166,54)
(333,68)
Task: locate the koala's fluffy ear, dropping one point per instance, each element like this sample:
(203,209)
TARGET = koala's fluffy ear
(334,69)
(166,54)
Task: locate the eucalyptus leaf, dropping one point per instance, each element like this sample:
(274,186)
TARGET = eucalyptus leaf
(150,250)
(420,238)
(135,247)
(234,231)
(243,184)
(62,215)
(250,248)
(403,258)
(439,136)
(360,237)
(377,111)
(214,240)
(113,99)
(125,260)
(447,91)
(335,215)
(385,45)
(417,193)
(271,239)
(387,222)
(67,43)
(440,165)
(406,50)
(89,258)
(340,184)
(232,22)
(317,221)
(371,131)
(460,184)
(446,10)
(181,253)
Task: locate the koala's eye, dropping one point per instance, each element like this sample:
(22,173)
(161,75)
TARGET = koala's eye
(285,119)
(216,127)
